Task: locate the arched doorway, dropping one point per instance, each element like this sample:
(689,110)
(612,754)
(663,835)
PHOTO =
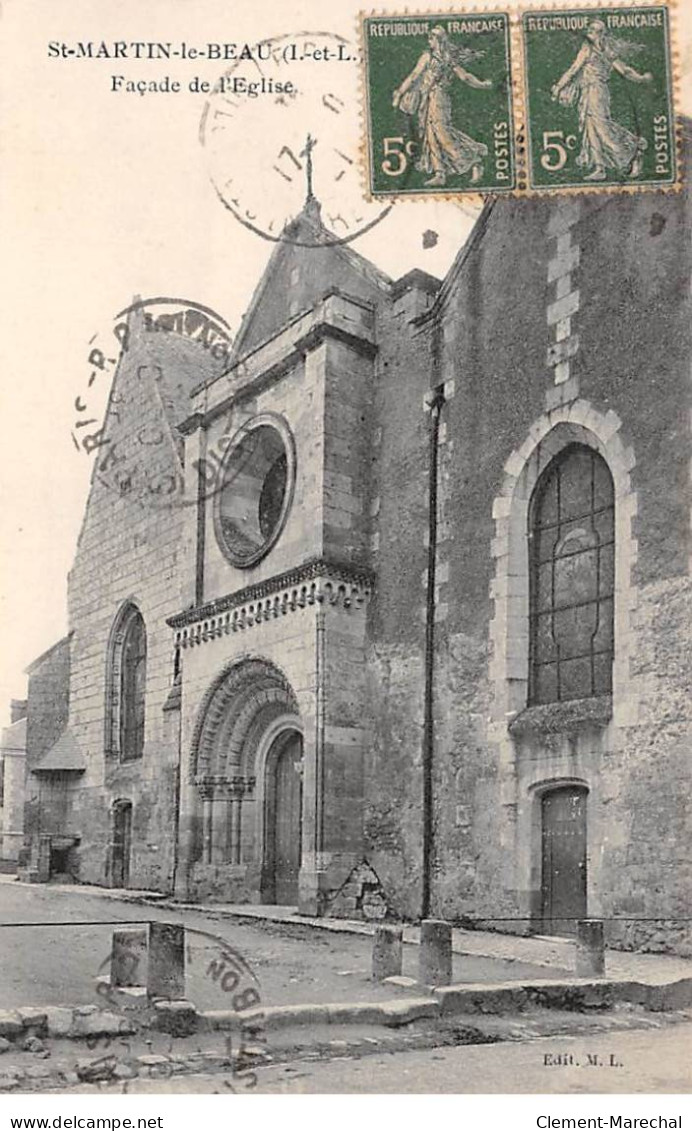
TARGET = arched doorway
(248,715)
(563,858)
(121,846)
(283,800)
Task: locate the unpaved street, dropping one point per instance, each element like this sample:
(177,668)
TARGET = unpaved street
(51,965)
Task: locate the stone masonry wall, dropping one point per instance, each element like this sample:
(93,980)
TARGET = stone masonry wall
(554,313)
(130,551)
(396,624)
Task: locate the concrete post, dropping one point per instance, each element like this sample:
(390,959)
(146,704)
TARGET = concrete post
(590,948)
(128,957)
(387,952)
(166,969)
(435,959)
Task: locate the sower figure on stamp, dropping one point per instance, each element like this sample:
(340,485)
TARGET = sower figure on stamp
(605,144)
(445,150)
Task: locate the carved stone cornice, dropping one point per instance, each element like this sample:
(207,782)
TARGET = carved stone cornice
(213,788)
(318,582)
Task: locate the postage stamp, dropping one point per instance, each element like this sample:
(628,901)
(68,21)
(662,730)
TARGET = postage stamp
(438,104)
(598,92)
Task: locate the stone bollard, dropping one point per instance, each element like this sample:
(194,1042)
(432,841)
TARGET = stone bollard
(590,948)
(435,959)
(387,952)
(166,967)
(129,957)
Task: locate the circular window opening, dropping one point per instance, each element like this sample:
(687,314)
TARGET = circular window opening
(256,492)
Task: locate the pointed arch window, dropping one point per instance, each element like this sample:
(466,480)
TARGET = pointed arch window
(571,552)
(126,690)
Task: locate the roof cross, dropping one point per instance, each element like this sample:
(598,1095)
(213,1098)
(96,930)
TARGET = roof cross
(310,143)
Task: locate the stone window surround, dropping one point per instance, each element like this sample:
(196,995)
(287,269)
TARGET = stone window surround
(545,601)
(524,780)
(579,422)
(113,705)
(281,426)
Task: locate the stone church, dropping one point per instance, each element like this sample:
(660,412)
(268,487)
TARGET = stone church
(409,633)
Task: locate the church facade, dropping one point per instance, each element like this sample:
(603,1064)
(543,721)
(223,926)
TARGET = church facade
(413,637)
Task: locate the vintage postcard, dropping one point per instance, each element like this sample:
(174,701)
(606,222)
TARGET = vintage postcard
(346,675)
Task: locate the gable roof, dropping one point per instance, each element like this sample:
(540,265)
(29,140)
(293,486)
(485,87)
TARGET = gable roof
(31,668)
(64,755)
(307,263)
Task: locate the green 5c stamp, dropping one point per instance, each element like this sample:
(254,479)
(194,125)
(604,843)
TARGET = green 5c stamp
(598,93)
(438,103)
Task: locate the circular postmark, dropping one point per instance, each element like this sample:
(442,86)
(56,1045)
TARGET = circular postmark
(280,127)
(221,1009)
(137,395)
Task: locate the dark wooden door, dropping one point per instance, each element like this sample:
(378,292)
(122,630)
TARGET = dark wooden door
(122,844)
(564,859)
(285,817)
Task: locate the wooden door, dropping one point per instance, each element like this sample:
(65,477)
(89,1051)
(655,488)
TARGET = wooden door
(284,818)
(122,843)
(563,859)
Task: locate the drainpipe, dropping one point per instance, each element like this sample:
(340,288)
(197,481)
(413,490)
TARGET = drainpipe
(177,675)
(434,401)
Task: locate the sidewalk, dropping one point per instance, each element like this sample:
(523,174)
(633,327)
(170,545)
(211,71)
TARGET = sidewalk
(557,954)
(535,950)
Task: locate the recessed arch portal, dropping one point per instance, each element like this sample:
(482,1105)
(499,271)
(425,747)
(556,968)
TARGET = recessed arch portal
(249,712)
(243,700)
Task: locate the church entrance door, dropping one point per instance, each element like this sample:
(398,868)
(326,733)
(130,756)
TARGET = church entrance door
(563,859)
(283,820)
(122,843)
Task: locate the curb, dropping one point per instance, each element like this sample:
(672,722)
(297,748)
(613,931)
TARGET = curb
(77,1022)
(388,1013)
(71,1022)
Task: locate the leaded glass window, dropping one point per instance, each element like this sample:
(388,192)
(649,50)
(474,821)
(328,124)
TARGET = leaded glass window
(571,549)
(132,688)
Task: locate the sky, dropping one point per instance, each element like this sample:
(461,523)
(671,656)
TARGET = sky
(109,194)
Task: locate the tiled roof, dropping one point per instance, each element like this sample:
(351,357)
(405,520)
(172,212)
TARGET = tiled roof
(64,755)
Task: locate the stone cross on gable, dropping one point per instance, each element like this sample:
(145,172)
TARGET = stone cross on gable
(310,143)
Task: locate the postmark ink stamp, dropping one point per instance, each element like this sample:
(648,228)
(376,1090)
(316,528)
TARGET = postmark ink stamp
(307,82)
(140,380)
(209,971)
(438,104)
(598,91)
